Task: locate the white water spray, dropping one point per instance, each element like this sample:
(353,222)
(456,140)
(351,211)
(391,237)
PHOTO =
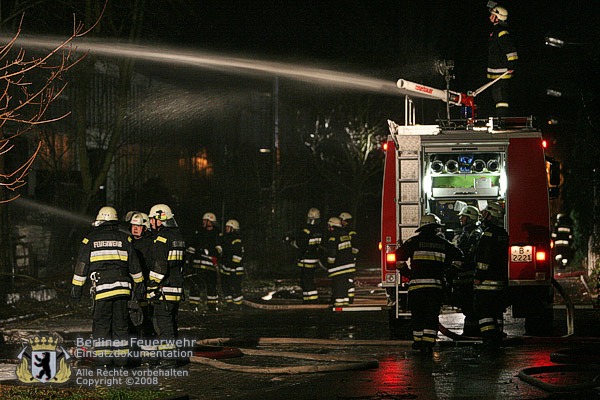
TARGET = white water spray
(220,62)
(30,204)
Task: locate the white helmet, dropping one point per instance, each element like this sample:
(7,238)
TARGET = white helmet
(107,213)
(313,213)
(345,216)
(470,212)
(161,212)
(129,215)
(495,209)
(140,219)
(210,216)
(233,224)
(500,12)
(334,221)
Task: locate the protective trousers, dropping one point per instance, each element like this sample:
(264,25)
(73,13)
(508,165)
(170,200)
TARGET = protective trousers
(340,286)
(307,282)
(489,307)
(500,95)
(425,307)
(110,328)
(208,279)
(462,297)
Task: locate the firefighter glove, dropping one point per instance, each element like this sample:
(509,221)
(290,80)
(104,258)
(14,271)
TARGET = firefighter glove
(135,313)
(139,290)
(152,289)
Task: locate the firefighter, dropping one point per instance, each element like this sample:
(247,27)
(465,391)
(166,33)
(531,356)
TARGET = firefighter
(340,261)
(431,256)
(502,57)
(463,273)
(108,258)
(142,243)
(231,249)
(491,276)
(562,236)
(347,225)
(164,288)
(308,244)
(204,261)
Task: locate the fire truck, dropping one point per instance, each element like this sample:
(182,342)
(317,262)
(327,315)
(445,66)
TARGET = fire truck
(442,168)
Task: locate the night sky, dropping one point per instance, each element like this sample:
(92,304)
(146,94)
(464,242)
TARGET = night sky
(394,39)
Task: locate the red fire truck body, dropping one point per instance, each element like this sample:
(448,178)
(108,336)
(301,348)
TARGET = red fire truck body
(439,170)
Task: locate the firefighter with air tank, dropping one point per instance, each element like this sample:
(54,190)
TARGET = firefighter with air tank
(308,243)
(346,219)
(562,238)
(463,273)
(231,250)
(108,258)
(164,287)
(431,256)
(491,276)
(204,258)
(502,58)
(340,261)
(142,243)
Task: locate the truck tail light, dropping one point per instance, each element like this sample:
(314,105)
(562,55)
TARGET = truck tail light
(390,258)
(540,255)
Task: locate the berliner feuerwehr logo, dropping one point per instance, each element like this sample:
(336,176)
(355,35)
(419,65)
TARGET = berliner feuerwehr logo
(43,360)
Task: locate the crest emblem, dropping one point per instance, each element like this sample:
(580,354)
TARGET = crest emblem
(43,361)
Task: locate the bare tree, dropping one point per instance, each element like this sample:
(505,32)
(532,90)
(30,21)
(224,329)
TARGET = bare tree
(346,148)
(25,98)
(29,84)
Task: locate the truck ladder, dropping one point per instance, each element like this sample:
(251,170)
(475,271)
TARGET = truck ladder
(408,201)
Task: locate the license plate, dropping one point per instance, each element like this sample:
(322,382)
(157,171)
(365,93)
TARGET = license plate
(519,254)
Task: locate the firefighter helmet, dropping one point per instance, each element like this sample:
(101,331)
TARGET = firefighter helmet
(345,216)
(210,216)
(313,213)
(470,212)
(129,215)
(140,219)
(563,219)
(107,213)
(161,212)
(334,221)
(500,12)
(495,209)
(429,221)
(233,224)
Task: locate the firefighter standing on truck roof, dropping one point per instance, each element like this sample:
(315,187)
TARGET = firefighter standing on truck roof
(340,261)
(232,271)
(204,261)
(308,244)
(461,278)
(347,225)
(491,276)
(164,288)
(109,259)
(502,57)
(431,256)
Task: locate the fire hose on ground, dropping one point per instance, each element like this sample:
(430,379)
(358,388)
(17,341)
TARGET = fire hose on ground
(585,360)
(334,363)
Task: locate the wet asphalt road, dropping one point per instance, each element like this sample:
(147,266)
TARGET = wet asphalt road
(452,372)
